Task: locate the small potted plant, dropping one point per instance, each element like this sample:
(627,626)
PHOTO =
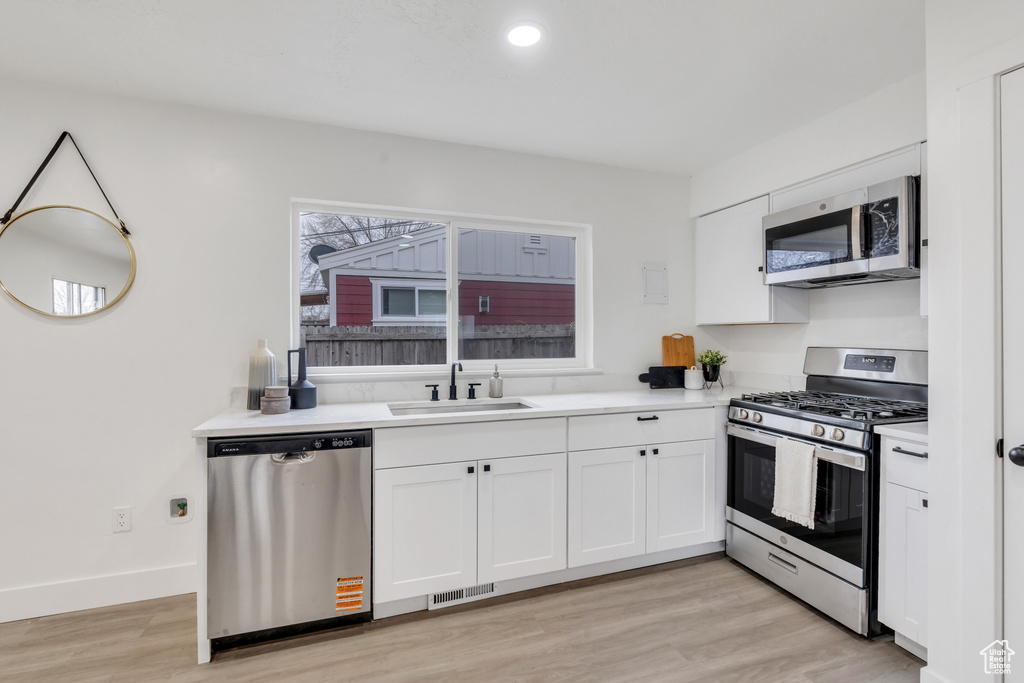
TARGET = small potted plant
(711,362)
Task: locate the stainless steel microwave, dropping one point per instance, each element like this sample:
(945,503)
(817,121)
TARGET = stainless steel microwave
(867,235)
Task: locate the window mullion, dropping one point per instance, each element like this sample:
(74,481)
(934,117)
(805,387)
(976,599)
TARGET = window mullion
(452,285)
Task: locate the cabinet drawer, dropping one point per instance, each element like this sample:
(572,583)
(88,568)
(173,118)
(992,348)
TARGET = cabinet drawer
(430,444)
(634,428)
(902,468)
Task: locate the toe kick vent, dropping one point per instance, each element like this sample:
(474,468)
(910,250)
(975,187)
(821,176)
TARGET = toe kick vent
(457,597)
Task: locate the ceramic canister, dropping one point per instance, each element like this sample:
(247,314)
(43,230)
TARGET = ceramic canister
(693,378)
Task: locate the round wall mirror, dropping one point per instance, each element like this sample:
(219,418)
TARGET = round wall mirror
(65,261)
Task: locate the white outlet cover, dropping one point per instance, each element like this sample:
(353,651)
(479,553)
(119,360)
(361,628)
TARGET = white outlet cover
(121,520)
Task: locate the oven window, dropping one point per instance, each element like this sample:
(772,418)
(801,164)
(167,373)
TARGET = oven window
(839,505)
(817,241)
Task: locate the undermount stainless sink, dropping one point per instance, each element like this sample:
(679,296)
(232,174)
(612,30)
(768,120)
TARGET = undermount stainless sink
(441,407)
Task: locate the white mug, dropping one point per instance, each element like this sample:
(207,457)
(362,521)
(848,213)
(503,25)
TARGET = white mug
(693,378)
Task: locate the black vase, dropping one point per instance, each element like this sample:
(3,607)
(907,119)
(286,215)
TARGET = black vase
(711,372)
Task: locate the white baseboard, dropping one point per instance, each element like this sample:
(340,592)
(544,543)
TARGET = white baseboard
(928,676)
(99,591)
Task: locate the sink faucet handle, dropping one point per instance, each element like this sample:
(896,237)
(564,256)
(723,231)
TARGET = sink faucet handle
(433,394)
(472,389)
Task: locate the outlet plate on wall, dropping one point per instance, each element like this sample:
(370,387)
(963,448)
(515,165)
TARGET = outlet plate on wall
(122,520)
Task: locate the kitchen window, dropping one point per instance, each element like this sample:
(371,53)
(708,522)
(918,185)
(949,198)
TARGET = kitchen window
(419,290)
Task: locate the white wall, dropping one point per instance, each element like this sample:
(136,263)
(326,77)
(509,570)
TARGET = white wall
(881,315)
(97,412)
(967,43)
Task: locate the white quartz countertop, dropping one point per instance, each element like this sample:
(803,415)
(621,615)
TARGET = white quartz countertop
(912,431)
(241,422)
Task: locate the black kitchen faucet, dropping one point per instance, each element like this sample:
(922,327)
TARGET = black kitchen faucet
(451,389)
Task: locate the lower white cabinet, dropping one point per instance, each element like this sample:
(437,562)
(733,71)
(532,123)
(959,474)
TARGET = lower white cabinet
(903,547)
(639,499)
(448,526)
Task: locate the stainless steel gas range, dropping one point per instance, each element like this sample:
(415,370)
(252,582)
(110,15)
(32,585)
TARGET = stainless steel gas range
(834,565)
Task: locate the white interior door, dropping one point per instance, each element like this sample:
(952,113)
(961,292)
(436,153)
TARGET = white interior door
(1012,129)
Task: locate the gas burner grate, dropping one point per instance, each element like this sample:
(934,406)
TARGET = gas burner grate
(862,408)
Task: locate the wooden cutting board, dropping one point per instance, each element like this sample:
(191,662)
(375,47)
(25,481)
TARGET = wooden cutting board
(677,349)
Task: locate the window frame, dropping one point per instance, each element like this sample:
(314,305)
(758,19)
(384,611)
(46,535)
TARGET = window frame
(582,363)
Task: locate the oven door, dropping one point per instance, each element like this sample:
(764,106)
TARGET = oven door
(840,540)
(819,240)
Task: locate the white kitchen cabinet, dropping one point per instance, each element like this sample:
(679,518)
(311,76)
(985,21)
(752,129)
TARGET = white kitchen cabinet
(680,494)
(639,483)
(903,552)
(521,516)
(425,530)
(455,525)
(728,261)
(607,505)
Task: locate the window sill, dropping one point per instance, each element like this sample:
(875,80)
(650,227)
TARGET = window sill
(416,376)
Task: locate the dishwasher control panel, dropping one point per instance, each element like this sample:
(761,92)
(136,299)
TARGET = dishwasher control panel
(290,443)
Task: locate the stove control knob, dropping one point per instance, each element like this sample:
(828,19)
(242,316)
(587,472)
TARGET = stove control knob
(818,430)
(743,415)
(838,434)
(757,417)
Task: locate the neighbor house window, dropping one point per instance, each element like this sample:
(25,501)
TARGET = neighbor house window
(405,289)
(74,298)
(397,302)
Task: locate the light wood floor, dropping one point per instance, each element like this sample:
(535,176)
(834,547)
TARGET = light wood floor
(705,620)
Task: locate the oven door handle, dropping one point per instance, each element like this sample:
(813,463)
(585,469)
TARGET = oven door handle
(849,459)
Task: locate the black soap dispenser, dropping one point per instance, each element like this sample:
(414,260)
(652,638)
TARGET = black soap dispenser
(302,391)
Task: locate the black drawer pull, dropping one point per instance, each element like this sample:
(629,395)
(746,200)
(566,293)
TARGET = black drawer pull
(646,419)
(487,468)
(655,451)
(897,449)
(643,452)
(470,470)
(924,502)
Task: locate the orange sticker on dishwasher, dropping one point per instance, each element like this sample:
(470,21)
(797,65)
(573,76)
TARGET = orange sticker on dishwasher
(349,595)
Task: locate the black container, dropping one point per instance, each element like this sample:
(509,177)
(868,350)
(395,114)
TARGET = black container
(711,372)
(302,392)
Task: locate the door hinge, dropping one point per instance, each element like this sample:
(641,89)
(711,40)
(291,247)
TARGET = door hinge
(999,448)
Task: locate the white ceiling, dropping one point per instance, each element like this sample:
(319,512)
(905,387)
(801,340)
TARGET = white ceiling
(663,85)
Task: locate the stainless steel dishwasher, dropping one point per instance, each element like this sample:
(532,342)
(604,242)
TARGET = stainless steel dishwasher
(288,542)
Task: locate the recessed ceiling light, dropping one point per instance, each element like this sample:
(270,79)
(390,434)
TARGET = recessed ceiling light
(525,34)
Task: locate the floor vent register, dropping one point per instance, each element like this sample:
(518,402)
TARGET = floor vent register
(457,597)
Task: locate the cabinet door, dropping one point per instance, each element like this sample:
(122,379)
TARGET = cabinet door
(521,504)
(903,591)
(730,285)
(606,505)
(680,494)
(424,538)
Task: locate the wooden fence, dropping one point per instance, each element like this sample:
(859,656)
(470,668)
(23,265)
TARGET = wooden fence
(425,345)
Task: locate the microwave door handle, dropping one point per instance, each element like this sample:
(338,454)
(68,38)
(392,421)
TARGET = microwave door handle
(856,234)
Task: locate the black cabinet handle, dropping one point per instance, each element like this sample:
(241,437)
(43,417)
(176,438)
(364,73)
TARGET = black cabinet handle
(924,502)
(487,468)
(897,449)
(643,451)
(655,451)
(470,470)
(646,419)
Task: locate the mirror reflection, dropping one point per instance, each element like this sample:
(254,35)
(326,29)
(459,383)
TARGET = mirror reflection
(65,261)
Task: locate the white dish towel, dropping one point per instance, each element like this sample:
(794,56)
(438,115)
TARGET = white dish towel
(796,481)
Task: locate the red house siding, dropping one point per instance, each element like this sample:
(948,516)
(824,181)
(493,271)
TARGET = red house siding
(512,303)
(518,303)
(353,300)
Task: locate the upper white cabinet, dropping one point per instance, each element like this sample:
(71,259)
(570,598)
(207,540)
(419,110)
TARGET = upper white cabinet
(728,261)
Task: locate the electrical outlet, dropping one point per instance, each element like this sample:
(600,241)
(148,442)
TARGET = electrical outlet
(122,520)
